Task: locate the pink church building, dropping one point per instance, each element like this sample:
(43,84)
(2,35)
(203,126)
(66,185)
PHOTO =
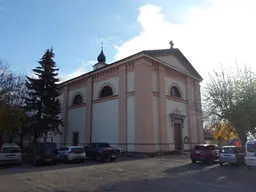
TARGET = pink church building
(147,102)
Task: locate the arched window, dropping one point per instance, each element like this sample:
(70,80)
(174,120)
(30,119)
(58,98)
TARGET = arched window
(175,92)
(106,91)
(78,100)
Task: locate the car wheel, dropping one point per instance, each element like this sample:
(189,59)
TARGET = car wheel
(99,158)
(54,162)
(66,159)
(210,162)
(193,161)
(35,162)
(82,160)
(112,159)
(220,163)
(249,167)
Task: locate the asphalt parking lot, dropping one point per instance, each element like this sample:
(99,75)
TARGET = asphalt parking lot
(174,173)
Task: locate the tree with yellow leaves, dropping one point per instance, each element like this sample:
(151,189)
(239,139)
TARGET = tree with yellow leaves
(223,131)
(230,96)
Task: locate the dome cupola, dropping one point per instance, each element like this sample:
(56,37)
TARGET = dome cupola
(101,58)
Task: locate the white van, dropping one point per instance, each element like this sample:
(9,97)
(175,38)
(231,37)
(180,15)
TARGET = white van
(250,153)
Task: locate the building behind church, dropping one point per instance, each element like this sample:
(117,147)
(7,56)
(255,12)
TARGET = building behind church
(147,102)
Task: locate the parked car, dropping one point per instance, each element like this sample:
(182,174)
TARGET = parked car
(44,152)
(205,153)
(102,151)
(231,154)
(10,153)
(72,153)
(250,153)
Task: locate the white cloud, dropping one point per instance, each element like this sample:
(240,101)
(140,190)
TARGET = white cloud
(31,74)
(89,63)
(84,68)
(76,73)
(222,32)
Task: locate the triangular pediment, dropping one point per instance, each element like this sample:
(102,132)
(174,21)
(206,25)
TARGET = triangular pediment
(175,59)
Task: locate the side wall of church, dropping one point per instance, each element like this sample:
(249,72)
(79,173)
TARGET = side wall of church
(155,89)
(191,109)
(199,114)
(76,123)
(76,113)
(105,112)
(130,110)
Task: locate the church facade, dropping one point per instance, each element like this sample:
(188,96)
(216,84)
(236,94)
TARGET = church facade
(147,102)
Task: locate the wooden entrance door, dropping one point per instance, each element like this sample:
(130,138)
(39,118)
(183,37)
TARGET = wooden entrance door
(177,136)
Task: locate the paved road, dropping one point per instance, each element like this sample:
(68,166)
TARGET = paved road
(149,175)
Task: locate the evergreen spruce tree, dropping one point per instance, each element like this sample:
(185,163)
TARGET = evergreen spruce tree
(42,100)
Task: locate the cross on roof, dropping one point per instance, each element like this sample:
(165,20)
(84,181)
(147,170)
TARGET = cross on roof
(102,45)
(171,44)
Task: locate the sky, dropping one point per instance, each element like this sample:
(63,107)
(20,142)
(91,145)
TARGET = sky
(210,33)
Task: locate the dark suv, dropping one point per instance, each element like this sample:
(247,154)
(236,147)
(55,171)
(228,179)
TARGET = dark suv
(45,152)
(205,153)
(102,151)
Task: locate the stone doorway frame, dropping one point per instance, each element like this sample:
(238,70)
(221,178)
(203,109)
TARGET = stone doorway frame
(178,118)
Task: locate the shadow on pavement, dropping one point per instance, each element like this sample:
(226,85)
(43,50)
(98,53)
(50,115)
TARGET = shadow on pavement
(192,177)
(7,170)
(213,172)
(28,168)
(187,167)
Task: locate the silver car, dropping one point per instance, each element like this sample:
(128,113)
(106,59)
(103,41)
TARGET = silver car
(231,155)
(10,153)
(72,153)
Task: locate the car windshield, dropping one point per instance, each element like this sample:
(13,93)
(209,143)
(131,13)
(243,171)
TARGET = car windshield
(48,146)
(200,148)
(228,150)
(204,147)
(251,147)
(103,145)
(11,149)
(77,150)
